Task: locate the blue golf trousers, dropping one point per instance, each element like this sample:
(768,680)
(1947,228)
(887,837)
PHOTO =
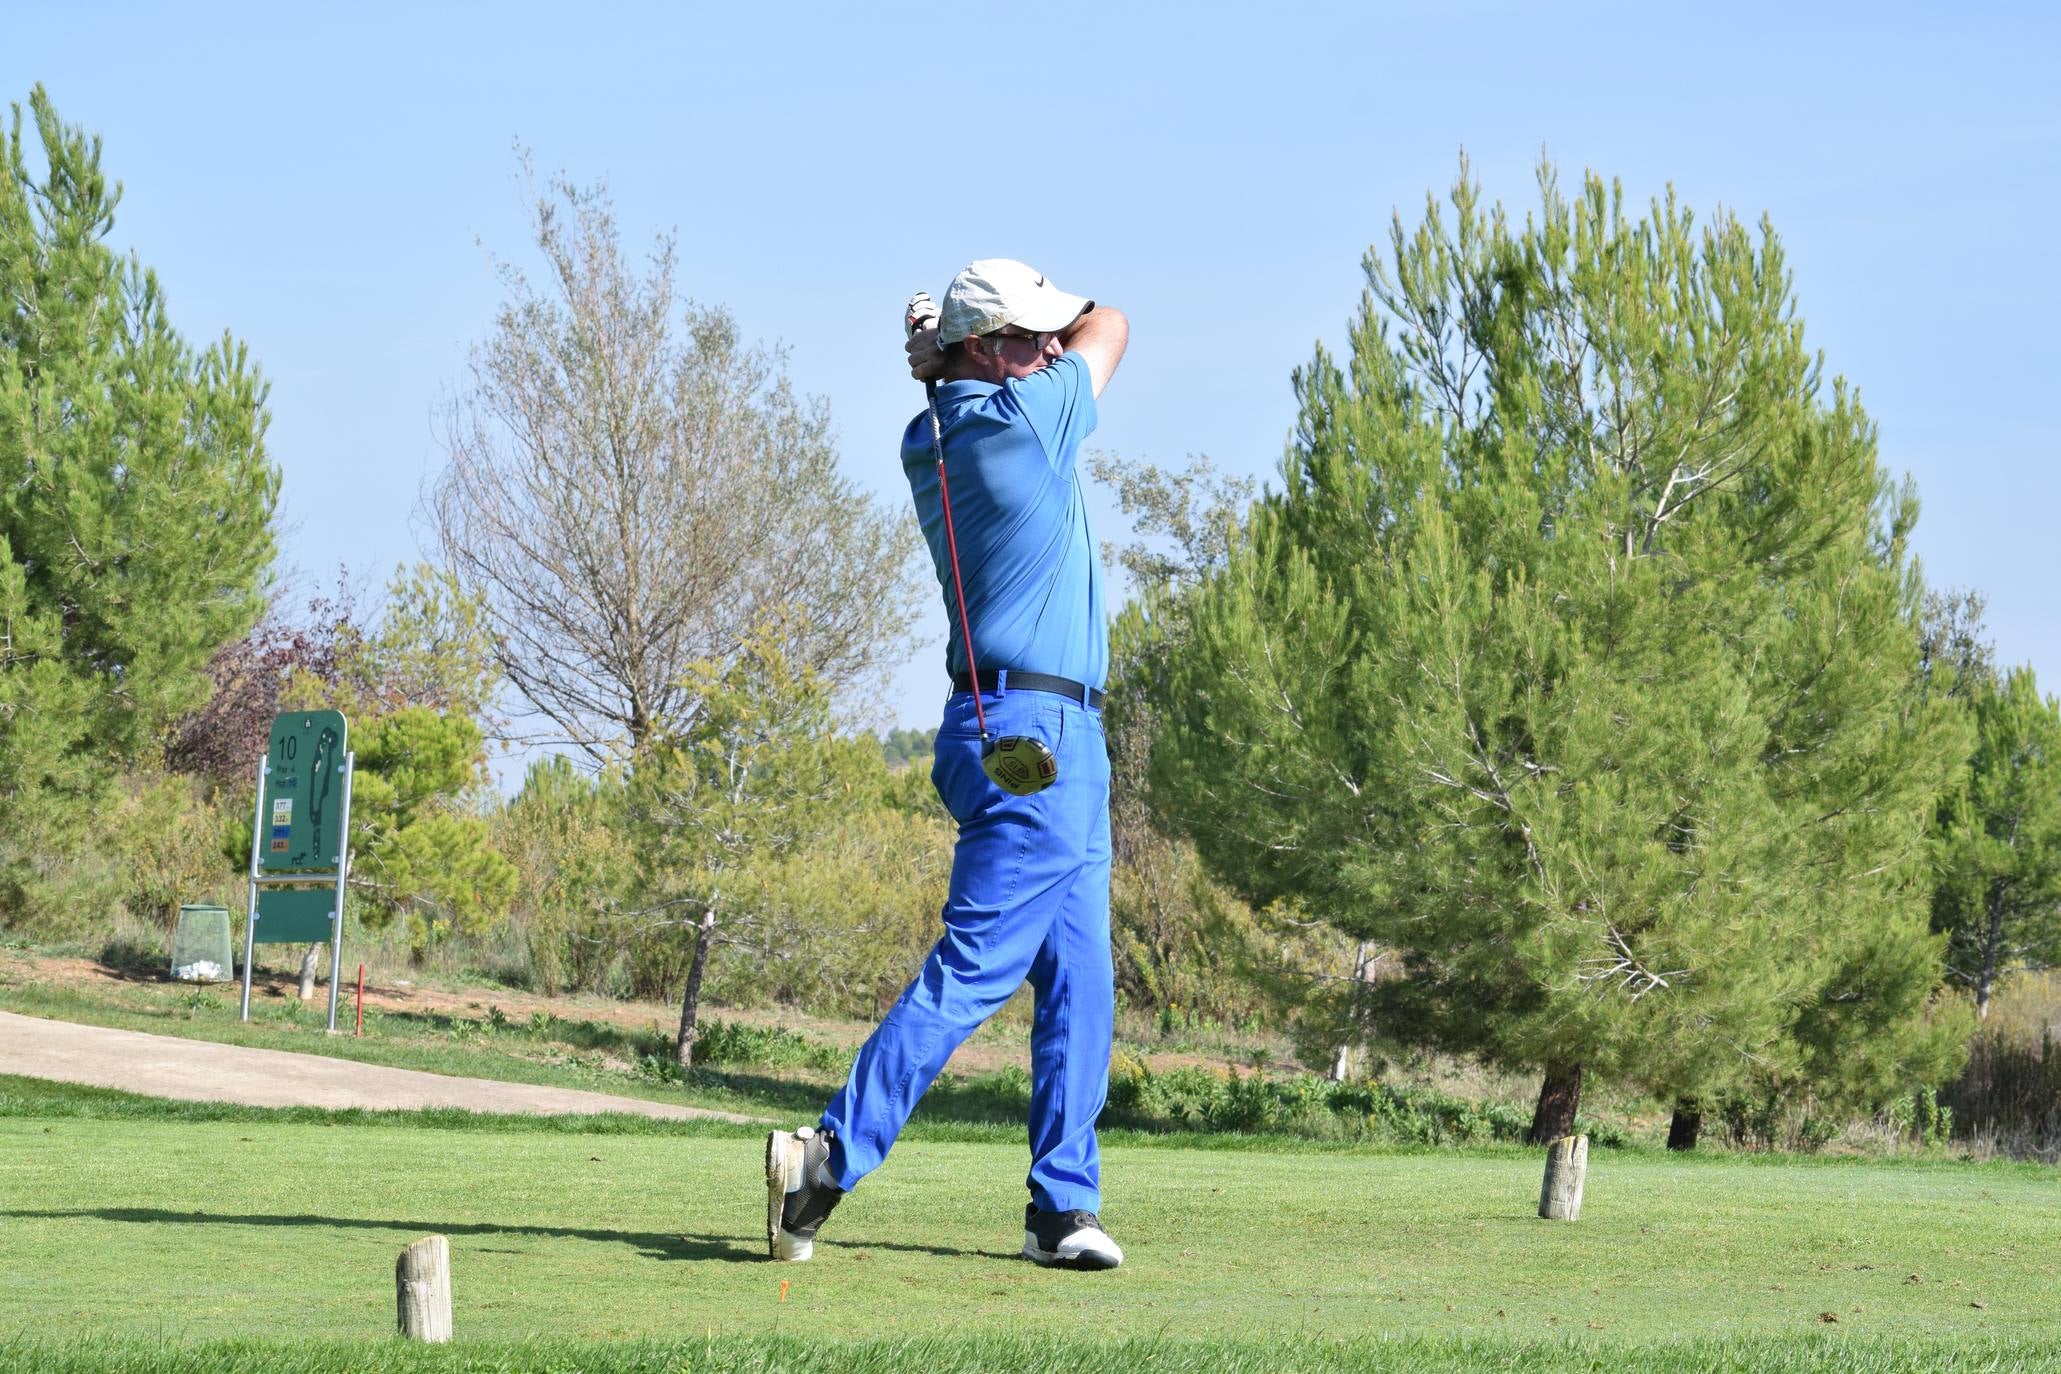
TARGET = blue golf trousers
(1029,898)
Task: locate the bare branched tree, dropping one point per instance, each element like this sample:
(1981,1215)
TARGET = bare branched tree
(633,490)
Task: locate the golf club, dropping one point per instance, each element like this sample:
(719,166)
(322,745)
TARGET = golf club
(1021,765)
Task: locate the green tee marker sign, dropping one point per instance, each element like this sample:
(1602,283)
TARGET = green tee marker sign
(300,841)
(303,801)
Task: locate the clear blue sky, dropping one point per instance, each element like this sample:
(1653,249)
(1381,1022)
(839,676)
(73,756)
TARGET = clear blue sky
(319,181)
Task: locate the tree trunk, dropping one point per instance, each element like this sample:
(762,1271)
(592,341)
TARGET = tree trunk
(690,996)
(1992,943)
(1560,1097)
(1687,1125)
(309,963)
(1355,1014)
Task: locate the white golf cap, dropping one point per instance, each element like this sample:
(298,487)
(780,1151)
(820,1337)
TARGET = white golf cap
(995,292)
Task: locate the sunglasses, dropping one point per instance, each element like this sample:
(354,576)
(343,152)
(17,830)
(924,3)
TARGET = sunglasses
(1038,339)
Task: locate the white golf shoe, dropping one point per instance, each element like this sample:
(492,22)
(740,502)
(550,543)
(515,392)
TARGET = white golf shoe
(1068,1240)
(799,1191)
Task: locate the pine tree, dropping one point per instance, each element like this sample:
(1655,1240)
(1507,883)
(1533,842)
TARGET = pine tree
(1999,893)
(1575,659)
(135,503)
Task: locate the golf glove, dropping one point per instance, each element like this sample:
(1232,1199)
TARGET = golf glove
(926,355)
(922,313)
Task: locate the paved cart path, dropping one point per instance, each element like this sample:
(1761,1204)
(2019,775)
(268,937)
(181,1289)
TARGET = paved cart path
(203,1071)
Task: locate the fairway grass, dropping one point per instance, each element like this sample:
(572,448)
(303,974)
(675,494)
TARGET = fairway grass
(146,1244)
(1050,1353)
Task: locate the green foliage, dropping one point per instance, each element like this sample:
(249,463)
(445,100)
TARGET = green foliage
(431,647)
(736,1044)
(1576,659)
(1922,1117)
(568,838)
(135,508)
(1769,1115)
(742,780)
(414,852)
(2008,1098)
(1185,942)
(1956,659)
(829,903)
(48,782)
(1197,1098)
(840,921)
(1998,896)
(415,688)
(903,747)
(760,772)
(169,835)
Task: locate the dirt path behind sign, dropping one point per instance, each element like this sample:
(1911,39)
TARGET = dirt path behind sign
(202,1071)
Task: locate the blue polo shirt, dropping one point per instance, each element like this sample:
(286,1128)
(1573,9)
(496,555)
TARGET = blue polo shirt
(1033,582)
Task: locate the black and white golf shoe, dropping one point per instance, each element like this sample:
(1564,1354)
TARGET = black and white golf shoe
(799,1191)
(1068,1240)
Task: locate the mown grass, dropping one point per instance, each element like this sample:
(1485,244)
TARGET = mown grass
(1043,1354)
(195,1231)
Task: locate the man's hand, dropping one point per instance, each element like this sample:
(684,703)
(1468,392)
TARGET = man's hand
(926,355)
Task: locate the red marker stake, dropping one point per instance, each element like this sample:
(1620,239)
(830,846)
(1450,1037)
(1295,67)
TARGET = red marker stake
(361,1000)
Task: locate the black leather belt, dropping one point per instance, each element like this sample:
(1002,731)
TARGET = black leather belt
(991,680)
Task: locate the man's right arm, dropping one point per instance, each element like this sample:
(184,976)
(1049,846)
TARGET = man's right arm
(1100,337)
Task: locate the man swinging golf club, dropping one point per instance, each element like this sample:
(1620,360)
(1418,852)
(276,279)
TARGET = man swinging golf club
(1014,366)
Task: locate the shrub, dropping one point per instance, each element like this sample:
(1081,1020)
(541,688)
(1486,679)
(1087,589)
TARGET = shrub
(2008,1098)
(733,1043)
(841,922)
(1196,1098)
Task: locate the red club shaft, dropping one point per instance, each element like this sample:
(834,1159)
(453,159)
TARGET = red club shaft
(944,496)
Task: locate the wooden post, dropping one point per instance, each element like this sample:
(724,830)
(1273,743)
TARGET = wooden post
(422,1289)
(1567,1161)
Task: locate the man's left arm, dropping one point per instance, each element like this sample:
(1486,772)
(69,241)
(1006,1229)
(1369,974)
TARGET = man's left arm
(1100,336)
